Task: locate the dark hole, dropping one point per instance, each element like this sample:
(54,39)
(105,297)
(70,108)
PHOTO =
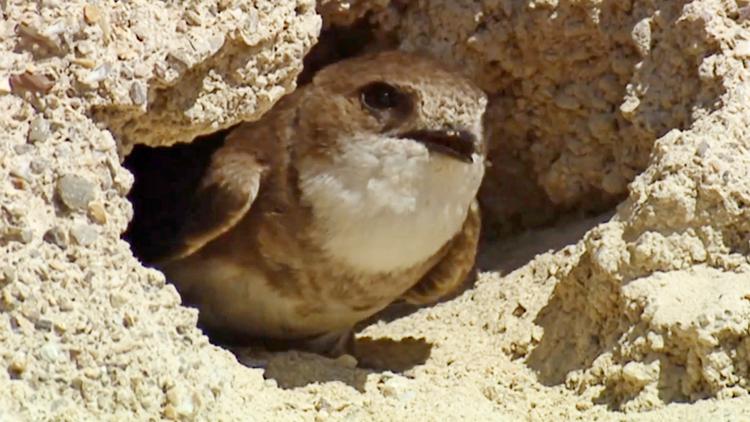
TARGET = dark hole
(336,44)
(165,179)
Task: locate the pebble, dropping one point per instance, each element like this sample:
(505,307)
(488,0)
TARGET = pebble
(5,87)
(43,324)
(75,191)
(21,149)
(137,93)
(97,75)
(22,235)
(92,14)
(38,166)
(56,236)
(83,234)
(39,130)
(18,365)
(29,81)
(398,388)
(52,352)
(97,213)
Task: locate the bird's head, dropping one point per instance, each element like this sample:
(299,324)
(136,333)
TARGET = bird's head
(418,106)
(390,153)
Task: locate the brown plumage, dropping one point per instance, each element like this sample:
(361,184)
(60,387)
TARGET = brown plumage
(353,192)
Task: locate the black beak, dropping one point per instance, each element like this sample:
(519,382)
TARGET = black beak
(458,144)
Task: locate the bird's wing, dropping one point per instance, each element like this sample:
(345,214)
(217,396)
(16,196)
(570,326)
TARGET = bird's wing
(224,196)
(451,271)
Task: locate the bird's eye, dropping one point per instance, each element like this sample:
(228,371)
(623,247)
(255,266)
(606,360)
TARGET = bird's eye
(381,96)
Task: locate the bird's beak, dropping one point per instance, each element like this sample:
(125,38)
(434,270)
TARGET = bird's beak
(458,144)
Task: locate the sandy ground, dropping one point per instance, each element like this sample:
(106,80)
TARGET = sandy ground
(633,111)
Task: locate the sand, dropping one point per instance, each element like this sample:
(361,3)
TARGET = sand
(614,282)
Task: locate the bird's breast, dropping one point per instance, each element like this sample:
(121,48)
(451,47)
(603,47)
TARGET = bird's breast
(387,205)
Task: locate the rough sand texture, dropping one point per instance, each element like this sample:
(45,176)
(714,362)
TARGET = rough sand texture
(641,314)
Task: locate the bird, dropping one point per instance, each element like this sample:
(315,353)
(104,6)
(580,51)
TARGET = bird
(355,191)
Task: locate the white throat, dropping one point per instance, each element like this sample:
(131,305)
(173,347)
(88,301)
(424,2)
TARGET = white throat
(386,204)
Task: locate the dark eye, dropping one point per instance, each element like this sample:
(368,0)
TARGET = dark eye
(381,96)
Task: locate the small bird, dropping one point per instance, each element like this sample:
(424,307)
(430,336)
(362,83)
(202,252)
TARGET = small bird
(355,191)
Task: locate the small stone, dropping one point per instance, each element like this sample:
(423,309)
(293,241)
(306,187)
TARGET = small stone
(641,36)
(97,75)
(21,235)
(584,405)
(38,166)
(75,191)
(5,87)
(39,130)
(92,372)
(17,366)
(29,81)
(397,388)
(43,324)
(92,14)
(84,62)
(97,214)
(117,299)
(21,149)
(137,93)
(702,149)
(83,234)
(52,352)
(56,236)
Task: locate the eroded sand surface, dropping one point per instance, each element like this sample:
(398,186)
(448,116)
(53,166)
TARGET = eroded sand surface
(635,111)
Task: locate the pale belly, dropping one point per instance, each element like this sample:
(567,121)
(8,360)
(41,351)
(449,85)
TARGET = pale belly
(241,299)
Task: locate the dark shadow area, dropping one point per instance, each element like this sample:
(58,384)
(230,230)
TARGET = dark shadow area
(165,179)
(293,369)
(335,44)
(508,254)
(384,354)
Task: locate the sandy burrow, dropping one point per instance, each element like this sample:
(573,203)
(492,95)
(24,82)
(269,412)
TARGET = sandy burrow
(643,311)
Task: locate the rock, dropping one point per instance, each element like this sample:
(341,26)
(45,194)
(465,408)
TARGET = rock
(57,236)
(75,191)
(39,130)
(83,234)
